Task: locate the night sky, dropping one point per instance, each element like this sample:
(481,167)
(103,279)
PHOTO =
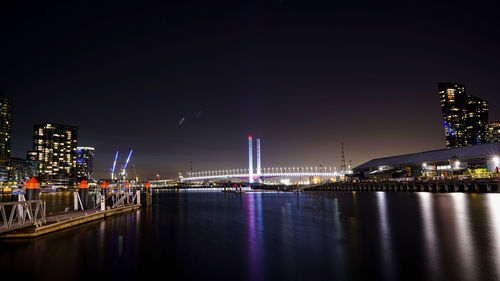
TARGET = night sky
(302,75)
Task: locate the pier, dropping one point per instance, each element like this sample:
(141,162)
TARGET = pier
(28,219)
(468,186)
(63,221)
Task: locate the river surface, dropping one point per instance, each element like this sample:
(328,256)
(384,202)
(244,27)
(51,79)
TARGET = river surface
(273,236)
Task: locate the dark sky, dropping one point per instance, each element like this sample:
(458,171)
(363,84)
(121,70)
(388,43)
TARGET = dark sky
(302,75)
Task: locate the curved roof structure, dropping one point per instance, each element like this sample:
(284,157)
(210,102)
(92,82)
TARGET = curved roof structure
(475,151)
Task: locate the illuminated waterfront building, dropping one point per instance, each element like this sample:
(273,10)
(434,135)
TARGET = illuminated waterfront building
(465,117)
(5,134)
(54,152)
(85,163)
(472,161)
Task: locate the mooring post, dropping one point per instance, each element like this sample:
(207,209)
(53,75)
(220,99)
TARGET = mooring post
(32,190)
(138,199)
(83,189)
(75,201)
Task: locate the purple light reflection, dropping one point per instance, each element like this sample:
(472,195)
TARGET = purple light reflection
(254,236)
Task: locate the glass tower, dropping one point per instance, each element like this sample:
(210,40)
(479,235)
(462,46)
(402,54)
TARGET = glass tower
(465,117)
(85,163)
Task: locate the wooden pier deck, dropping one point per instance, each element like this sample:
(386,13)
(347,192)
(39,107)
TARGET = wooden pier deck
(66,220)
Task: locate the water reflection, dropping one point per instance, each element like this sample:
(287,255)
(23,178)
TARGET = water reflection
(385,237)
(494,221)
(255,229)
(270,236)
(429,235)
(463,233)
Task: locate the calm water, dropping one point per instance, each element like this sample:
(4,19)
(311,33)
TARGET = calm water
(274,236)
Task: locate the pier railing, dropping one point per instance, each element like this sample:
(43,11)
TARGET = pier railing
(126,199)
(19,214)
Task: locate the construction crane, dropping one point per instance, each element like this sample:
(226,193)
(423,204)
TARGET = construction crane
(124,167)
(112,170)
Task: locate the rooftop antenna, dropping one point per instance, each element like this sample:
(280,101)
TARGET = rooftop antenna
(342,159)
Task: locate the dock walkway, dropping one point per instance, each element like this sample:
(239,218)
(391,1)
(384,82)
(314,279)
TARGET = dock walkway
(468,186)
(64,220)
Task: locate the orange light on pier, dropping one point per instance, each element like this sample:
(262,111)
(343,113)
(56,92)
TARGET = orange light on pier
(83,185)
(32,184)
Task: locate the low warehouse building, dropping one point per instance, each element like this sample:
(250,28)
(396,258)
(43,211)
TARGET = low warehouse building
(475,161)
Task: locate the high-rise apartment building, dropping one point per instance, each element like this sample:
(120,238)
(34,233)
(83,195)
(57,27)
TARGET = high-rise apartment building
(5,128)
(465,117)
(85,163)
(54,151)
(20,170)
(494,132)
(476,121)
(5,134)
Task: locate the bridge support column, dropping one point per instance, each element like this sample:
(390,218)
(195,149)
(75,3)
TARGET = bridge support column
(250,160)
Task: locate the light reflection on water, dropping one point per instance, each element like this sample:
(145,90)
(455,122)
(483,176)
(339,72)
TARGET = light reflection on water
(385,237)
(463,232)
(494,237)
(429,235)
(275,236)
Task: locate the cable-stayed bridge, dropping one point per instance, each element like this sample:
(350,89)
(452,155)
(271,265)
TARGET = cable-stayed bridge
(259,174)
(323,172)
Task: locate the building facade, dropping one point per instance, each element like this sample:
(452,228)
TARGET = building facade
(476,121)
(85,163)
(494,132)
(465,117)
(20,170)
(54,152)
(5,134)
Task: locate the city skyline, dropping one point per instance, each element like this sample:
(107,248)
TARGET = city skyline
(191,86)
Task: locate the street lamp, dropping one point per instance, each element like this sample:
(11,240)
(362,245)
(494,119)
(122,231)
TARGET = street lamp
(496,160)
